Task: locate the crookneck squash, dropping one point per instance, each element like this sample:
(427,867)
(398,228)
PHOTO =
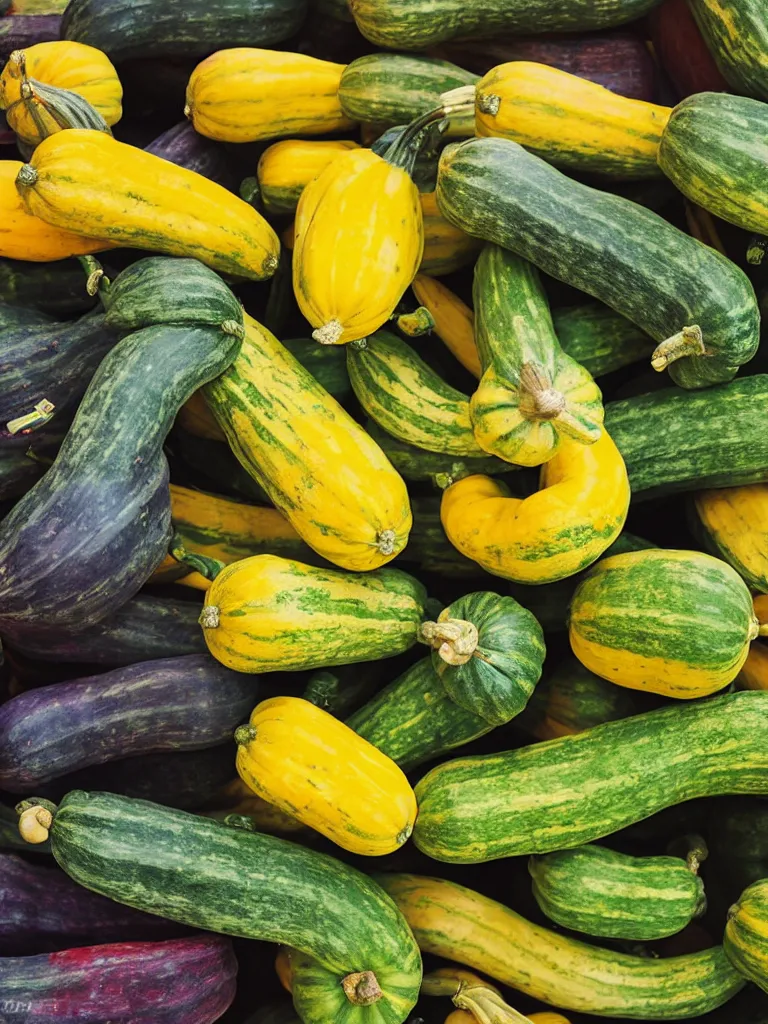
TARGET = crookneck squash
(706,324)
(293,438)
(734,525)
(531,393)
(745,940)
(144,202)
(311,765)
(286,168)
(246,95)
(208,875)
(267,614)
(678,623)
(736,32)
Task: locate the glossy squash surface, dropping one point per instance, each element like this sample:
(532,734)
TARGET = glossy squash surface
(745,941)
(734,521)
(286,168)
(736,32)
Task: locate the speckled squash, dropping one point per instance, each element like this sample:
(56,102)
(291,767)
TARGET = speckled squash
(311,765)
(734,522)
(745,942)
(446,247)
(736,32)
(286,168)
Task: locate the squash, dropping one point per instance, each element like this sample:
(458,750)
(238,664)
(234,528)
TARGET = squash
(754,671)
(204,874)
(569,121)
(298,757)
(430,142)
(182,145)
(23,29)
(602,892)
(454,320)
(446,247)
(285,168)
(292,437)
(744,941)
(453,922)
(471,993)
(736,32)
(268,613)
(681,51)
(55,288)
(531,393)
(734,523)
(703,313)
(144,201)
(715,150)
(75,67)
(248,95)
(562,528)
(239,799)
(569,791)
(678,623)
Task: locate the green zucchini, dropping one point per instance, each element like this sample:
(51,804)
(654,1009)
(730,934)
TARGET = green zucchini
(208,875)
(570,791)
(601,340)
(736,34)
(676,441)
(715,149)
(702,309)
(601,892)
(746,937)
(56,288)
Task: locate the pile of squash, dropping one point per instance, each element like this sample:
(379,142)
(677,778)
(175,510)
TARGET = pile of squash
(383,493)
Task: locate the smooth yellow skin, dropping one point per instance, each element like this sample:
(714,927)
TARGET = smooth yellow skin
(248,95)
(454,321)
(287,167)
(90,183)
(446,248)
(568,119)
(579,509)
(736,518)
(196,418)
(26,237)
(754,671)
(359,239)
(311,765)
(65,65)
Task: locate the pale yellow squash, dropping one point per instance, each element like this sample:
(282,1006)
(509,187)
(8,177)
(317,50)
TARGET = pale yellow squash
(735,525)
(454,321)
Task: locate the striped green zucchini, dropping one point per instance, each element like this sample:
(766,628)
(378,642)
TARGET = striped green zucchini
(599,339)
(746,934)
(736,34)
(702,309)
(570,791)
(601,892)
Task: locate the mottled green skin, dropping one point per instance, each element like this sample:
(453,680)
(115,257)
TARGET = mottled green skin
(601,892)
(56,288)
(208,875)
(746,939)
(599,339)
(162,290)
(570,791)
(715,149)
(674,441)
(429,143)
(417,24)
(415,464)
(413,720)
(429,549)
(498,680)
(326,363)
(623,254)
(738,42)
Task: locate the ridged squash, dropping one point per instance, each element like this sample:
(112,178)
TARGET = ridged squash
(678,623)
(249,95)
(734,521)
(454,320)
(285,168)
(311,765)
(318,466)
(531,394)
(570,121)
(446,247)
(65,65)
(266,614)
(736,33)
(746,934)
(578,512)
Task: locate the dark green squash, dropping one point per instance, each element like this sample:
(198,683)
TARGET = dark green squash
(736,33)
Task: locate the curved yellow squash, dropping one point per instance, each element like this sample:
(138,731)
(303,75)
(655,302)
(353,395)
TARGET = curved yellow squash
(311,765)
(735,522)
(89,183)
(562,528)
(65,65)
(26,237)
(446,248)
(570,121)
(454,321)
(248,95)
(318,466)
(286,168)
(359,239)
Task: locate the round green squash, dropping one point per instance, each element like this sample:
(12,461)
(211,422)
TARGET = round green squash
(746,935)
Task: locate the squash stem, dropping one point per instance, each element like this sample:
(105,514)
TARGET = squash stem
(538,399)
(414,324)
(487,1006)
(210,617)
(35,820)
(362,988)
(688,342)
(762,630)
(455,640)
(697,853)
(330,333)
(756,250)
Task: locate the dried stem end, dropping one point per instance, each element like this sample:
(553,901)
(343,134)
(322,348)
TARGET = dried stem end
(688,342)
(455,640)
(489,104)
(414,324)
(330,333)
(210,617)
(27,176)
(538,399)
(385,542)
(245,734)
(362,988)
(35,824)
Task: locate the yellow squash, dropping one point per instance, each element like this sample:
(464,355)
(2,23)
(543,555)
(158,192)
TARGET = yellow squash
(446,248)
(65,65)
(454,321)
(238,799)
(760,604)
(562,528)
(248,95)
(318,466)
(359,239)
(754,671)
(309,764)
(89,183)
(735,525)
(570,121)
(286,168)
(197,419)
(26,237)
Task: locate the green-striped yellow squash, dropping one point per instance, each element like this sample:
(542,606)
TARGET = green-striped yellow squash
(736,34)
(678,623)
(453,922)
(318,466)
(573,790)
(601,892)
(531,393)
(285,169)
(734,523)
(746,934)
